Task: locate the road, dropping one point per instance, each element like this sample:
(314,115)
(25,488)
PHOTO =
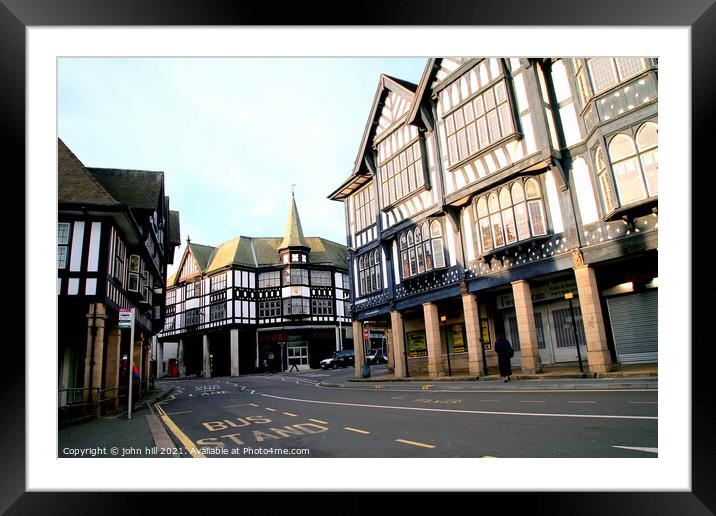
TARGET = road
(290,415)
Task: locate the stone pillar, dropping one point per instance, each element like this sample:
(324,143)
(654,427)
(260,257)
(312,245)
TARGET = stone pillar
(111,382)
(180,358)
(389,349)
(598,357)
(137,357)
(397,332)
(160,359)
(358,348)
(432,336)
(234,343)
(94,353)
(472,328)
(206,367)
(529,348)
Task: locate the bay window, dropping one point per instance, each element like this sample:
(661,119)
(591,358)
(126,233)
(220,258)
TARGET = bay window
(606,72)
(421,249)
(369,272)
(510,214)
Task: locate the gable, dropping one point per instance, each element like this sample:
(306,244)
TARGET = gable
(189,267)
(394,108)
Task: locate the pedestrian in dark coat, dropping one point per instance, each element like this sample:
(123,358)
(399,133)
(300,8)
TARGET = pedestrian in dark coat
(504,354)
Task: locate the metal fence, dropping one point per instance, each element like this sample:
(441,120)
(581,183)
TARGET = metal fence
(77,402)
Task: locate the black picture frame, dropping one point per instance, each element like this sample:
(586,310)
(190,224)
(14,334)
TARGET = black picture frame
(17,15)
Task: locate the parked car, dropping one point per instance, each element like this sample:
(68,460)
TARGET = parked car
(343,358)
(376,356)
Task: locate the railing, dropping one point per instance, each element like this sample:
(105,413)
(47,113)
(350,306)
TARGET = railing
(78,402)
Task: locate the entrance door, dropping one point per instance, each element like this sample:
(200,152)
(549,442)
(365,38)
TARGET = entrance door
(543,338)
(298,354)
(562,333)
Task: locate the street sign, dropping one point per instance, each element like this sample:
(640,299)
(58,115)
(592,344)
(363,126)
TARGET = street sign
(126,317)
(568,295)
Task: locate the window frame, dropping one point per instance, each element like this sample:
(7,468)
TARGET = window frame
(214,308)
(523,217)
(63,245)
(370,278)
(414,262)
(217,282)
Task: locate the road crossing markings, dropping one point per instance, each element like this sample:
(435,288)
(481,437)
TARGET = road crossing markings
(290,414)
(649,450)
(465,411)
(413,443)
(356,430)
(319,421)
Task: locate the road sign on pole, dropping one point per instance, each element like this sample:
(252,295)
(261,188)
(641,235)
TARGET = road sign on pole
(126,320)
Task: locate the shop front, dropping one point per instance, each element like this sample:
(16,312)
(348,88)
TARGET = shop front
(281,348)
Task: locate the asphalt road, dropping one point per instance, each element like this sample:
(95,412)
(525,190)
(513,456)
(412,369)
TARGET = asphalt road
(290,415)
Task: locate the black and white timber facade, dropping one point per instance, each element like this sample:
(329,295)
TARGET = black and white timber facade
(115,237)
(257,304)
(485,193)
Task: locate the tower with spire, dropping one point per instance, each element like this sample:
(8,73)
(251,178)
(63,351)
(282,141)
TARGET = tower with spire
(293,248)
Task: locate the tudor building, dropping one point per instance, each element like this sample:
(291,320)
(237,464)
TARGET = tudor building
(258,304)
(488,191)
(115,236)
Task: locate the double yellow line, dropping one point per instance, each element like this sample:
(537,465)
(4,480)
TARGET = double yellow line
(186,442)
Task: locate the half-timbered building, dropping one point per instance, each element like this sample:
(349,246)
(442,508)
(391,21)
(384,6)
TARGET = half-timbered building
(258,304)
(115,237)
(486,193)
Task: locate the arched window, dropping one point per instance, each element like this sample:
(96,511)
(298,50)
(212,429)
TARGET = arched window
(628,177)
(647,141)
(604,184)
(369,272)
(510,214)
(421,249)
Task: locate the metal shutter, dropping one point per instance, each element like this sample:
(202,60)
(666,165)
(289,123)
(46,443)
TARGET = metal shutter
(634,320)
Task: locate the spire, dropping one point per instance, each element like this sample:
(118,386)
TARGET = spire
(293,235)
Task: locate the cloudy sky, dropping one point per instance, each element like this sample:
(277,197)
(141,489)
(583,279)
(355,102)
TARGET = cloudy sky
(232,135)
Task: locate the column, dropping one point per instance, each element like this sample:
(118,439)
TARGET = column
(598,357)
(531,362)
(234,343)
(206,367)
(389,349)
(397,333)
(339,338)
(432,336)
(180,358)
(358,348)
(160,359)
(137,358)
(472,328)
(94,353)
(111,382)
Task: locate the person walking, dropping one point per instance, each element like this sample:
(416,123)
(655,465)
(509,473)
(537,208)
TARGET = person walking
(294,365)
(504,355)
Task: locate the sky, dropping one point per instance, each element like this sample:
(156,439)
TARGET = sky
(230,134)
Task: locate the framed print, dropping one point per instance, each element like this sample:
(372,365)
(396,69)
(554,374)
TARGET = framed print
(39,37)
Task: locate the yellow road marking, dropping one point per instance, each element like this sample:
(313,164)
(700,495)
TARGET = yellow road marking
(355,430)
(289,414)
(426,387)
(422,445)
(188,443)
(319,421)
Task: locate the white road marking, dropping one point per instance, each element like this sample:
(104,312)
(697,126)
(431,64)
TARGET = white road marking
(643,402)
(581,402)
(241,405)
(650,450)
(413,443)
(531,401)
(356,430)
(510,391)
(175,413)
(463,411)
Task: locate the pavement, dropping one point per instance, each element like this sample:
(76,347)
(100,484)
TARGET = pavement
(632,376)
(101,437)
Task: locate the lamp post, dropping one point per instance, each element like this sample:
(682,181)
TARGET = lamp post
(569,297)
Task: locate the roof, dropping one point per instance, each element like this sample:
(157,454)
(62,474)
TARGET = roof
(202,254)
(76,184)
(293,234)
(360,175)
(174,230)
(138,189)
